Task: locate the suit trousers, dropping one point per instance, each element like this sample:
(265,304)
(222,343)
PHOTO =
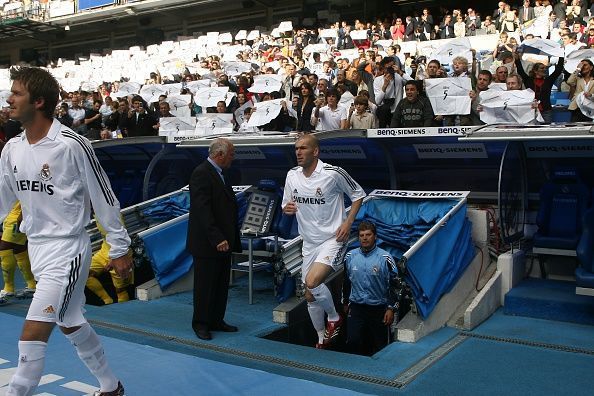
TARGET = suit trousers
(211,288)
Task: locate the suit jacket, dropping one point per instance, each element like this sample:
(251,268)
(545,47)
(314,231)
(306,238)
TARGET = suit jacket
(142,126)
(578,85)
(521,14)
(213,214)
(442,32)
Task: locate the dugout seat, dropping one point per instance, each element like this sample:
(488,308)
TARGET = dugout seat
(584,274)
(563,201)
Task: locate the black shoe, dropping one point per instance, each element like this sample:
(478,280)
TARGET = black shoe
(227,328)
(119,391)
(203,334)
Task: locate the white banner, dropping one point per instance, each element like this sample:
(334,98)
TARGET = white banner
(419,194)
(239,113)
(4,97)
(449,96)
(585,104)
(456,47)
(544,46)
(264,112)
(213,124)
(508,106)
(176,126)
(208,97)
(358,34)
(266,83)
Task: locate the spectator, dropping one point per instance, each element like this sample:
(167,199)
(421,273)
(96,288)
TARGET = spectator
(501,74)
(77,113)
(244,127)
(397,31)
(446,29)
(413,110)
(387,87)
(514,82)
(510,22)
(482,84)
(525,13)
(93,121)
(359,115)
(63,117)
(538,81)
(140,122)
(580,81)
(560,9)
(305,106)
(459,27)
(331,116)
(472,22)
(341,79)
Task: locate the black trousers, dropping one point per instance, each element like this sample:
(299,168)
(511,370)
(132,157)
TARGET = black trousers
(384,113)
(366,332)
(211,288)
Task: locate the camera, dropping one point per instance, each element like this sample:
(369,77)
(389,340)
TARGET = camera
(391,70)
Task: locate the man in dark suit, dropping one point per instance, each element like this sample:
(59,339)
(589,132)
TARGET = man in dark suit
(447,28)
(213,235)
(525,13)
(140,121)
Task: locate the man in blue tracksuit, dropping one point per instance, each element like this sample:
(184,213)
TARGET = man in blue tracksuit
(370,275)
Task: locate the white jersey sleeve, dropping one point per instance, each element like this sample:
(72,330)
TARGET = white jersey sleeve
(346,183)
(103,199)
(7,195)
(287,196)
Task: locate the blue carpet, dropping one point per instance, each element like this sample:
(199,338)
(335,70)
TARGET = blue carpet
(549,299)
(566,334)
(481,367)
(149,371)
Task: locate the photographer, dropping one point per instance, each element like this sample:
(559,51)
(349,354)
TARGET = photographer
(387,88)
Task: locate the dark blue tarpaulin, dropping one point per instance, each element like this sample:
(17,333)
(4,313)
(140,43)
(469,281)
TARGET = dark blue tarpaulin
(438,264)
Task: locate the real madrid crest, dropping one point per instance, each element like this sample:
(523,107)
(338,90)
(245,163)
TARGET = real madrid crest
(319,192)
(45,173)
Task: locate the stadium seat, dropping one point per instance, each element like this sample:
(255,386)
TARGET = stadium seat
(563,201)
(584,274)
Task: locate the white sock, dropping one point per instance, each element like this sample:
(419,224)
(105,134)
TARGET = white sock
(90,351)
(29,370)
(324,298)
(316,313)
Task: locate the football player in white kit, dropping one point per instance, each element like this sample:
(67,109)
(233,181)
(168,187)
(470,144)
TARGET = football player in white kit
(314,192)
(55,175)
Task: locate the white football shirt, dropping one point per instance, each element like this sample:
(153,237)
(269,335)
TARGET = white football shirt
(320,201)
(56,179)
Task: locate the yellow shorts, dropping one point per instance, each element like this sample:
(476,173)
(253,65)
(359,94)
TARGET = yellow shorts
(10,230)
(98,262)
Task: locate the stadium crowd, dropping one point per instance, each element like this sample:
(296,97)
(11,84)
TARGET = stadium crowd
(357,75)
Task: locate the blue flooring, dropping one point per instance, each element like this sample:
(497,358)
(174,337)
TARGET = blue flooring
(549,299)
(483,367)
(150,371)
(152,346)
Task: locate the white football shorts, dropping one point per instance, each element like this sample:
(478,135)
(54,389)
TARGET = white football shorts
(330,252)
(61,268)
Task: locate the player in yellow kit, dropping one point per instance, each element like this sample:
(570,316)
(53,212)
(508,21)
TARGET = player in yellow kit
(13,253)
(99,264)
